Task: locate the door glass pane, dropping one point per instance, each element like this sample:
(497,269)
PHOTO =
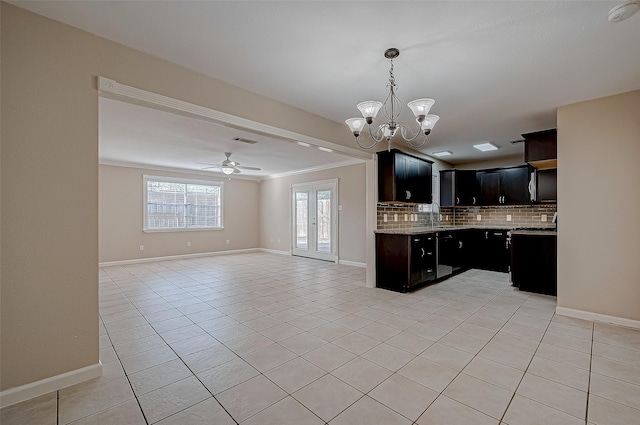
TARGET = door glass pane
(302,218)
(323,228)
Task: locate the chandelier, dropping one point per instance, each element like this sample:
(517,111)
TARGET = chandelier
(392,107)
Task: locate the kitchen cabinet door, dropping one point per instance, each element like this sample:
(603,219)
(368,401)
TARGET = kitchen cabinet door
(515,185)
(403,178)
(458,188)
(490,187)
(504,186)
(491,250)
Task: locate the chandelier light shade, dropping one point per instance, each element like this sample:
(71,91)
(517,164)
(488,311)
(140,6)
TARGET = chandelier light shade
(392,107)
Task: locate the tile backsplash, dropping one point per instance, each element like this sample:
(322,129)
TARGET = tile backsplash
(521,216)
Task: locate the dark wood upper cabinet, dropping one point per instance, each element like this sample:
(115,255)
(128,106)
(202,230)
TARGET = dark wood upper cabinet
(504,186)
(541,149)
(403,178)
(458,188)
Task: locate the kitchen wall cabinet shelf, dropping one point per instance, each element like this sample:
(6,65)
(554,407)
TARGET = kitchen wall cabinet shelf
(403,178)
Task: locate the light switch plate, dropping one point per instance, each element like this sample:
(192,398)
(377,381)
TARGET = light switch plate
(385,218)
(479,217)
(543,217)
(395,217)
(508,217)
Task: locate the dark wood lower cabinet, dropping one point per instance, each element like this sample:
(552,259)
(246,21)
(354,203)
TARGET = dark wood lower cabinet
(491,251)
(534,262)
(404,262)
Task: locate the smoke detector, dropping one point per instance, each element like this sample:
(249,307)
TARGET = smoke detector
(623,11)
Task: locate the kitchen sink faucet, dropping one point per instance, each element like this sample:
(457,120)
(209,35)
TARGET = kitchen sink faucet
(433,207)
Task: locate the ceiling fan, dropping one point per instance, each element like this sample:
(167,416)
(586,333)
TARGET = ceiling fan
(228,166)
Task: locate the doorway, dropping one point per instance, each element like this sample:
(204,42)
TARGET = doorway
(314,219)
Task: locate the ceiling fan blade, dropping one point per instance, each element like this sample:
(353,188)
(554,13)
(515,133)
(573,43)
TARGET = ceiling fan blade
(236,171)
(244,167)
(207,163)
(208,168)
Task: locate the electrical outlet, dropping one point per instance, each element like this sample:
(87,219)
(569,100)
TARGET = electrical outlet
(543,217)
(188,243)
(479,217)
(141,247)
(508,217)
(446,217)
(406,217)
(440,217)
(395,217)
(227,241)
(385,218)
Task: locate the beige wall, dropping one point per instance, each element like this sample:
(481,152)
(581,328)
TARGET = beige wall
(121,210)
(49,107)
(275,207)
(599,206)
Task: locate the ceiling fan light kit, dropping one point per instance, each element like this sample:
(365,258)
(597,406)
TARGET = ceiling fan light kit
(392,107)
(231,167)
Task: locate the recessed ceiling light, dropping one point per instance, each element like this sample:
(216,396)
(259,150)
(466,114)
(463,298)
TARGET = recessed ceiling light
(484,147)
(322,148)
(306,145)
(442,153)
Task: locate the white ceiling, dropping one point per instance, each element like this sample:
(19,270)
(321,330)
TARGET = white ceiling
(495,69)
(136,135)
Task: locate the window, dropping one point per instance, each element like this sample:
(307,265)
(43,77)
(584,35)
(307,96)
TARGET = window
(178,204)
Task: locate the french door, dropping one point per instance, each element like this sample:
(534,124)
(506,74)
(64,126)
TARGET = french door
(314,219)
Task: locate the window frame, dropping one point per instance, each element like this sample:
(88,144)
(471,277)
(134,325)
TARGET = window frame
(162,179)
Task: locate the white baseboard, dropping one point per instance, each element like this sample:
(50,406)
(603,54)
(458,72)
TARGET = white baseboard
(47,385)
(274,251)
(177,257)
(353,263)
(596,317)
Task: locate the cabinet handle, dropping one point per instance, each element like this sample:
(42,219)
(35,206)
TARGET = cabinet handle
(486,235)
(408,196)
(474,200)
(422,251)
(457,200)
(459,244)
(429,270)
(429,253)
(417,240)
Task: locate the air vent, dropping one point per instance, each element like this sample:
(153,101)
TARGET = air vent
(240,139)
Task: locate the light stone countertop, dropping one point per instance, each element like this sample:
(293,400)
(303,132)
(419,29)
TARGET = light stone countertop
(429,229)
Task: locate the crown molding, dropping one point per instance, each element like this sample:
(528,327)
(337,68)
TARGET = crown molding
(312,169)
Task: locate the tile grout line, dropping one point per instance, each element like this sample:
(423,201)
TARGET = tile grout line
(475,355)
(124,371)
(525,371)
(586,413)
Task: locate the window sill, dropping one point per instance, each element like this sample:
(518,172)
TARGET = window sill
(199,229)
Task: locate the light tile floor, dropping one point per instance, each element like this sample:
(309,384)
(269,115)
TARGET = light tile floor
(267,339)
